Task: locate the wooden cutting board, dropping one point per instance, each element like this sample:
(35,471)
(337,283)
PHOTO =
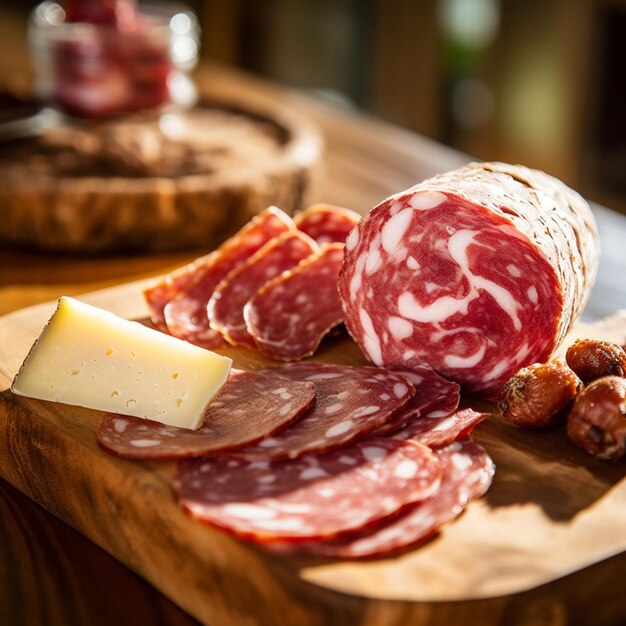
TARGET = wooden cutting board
(546,545)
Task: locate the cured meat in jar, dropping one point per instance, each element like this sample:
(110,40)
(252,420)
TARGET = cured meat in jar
(190,288)
(467,474)
(312,497)
(350,403)
(290,315)
(251,406)
(225,309)
(326,223)
(477,272)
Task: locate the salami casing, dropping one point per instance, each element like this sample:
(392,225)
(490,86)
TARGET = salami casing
(186,313)
(225,310)
(312,497)
(251,406)
(290,315)
(350,403)
(476,272)
(467,474)
(326,223)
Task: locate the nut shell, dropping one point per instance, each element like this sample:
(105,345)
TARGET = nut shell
(597,421)
(540,395)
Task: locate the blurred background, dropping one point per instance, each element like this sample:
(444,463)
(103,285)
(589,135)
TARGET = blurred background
(539,82)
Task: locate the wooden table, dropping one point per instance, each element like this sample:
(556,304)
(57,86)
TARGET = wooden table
(52,575)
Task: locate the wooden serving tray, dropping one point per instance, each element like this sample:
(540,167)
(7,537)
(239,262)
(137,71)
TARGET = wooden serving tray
(547,544)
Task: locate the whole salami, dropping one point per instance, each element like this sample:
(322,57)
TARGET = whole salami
(477,272)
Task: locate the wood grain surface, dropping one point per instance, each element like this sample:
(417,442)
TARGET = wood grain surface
(552,511)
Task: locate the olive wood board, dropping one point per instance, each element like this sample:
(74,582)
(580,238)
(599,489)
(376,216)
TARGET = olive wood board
(548,539)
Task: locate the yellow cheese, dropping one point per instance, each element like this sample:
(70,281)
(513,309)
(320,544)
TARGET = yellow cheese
(89,357)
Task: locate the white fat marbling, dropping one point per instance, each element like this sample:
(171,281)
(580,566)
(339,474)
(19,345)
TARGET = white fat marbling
(412,263)
(425,200)
(455,361)
(533,296)
(406,469)
(339,429)
(400,390)
(371,341)
(374,454)
(393,231)
(144,443)
(399,327)
(446,306)
(353,239)
(242,510)
(513,270)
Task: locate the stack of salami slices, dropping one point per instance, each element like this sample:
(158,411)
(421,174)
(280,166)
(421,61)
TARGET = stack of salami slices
(321,459)
(272,286)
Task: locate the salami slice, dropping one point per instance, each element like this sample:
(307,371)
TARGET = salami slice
(186,313)
(467,474)
(327,223)
(350,403)
(313,497)
(251,406)
(477,272)
(225,308)
(431,392)
(438,428)
(290,315)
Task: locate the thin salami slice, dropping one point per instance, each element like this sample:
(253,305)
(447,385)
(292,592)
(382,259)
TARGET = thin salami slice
(225,308)
(467,474)
(327,223)
(436,430)
(251,406)
(290,315)
(313,497)
(476,272)
(350,403)
(431,392)
(160,294)
(186,313)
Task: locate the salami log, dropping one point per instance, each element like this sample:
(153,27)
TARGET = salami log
(432,392)
(225,309)
(326,223)
(467,474)
(350,403)
(290,315)
(251,406)
(312,497)
(191,287)
(476,272)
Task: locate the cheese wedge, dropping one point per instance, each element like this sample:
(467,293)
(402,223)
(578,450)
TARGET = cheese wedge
(89,357)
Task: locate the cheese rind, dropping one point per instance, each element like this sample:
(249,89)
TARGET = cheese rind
(89,357)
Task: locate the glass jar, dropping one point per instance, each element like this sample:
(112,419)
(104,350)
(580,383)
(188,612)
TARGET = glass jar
(101,69)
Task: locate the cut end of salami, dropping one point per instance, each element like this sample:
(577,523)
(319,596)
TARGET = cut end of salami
(290,315)
(250,407)
(477,272)
(309,498)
